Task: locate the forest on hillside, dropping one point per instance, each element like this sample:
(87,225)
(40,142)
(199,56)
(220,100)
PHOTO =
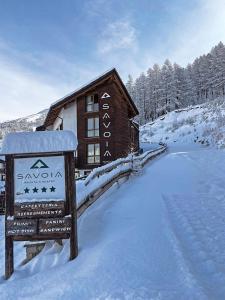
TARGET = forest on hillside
(170,86)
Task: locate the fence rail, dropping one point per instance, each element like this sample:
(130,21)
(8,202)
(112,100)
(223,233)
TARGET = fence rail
(101,179)
(112,173)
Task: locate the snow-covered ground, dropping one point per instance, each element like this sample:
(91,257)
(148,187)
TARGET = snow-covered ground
(202,124)
(87,186)
(161,235)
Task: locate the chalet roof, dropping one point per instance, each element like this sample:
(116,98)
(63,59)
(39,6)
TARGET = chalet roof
(39,142)
(57,106)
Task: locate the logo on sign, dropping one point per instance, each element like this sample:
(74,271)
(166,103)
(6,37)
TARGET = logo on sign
(39,164)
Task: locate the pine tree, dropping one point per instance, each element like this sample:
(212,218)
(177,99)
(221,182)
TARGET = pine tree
(171,86)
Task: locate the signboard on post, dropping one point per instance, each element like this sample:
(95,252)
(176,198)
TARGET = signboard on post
(40,193)
(39,178)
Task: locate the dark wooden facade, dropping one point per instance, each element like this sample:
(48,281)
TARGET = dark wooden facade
(118,134)
(115,130)
(2,170)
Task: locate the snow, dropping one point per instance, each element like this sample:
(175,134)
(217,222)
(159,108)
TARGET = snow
(97,177)
(81,87)
(32,200)
(203,124)
(39,142)
(83,191)
(34,117)
(160,235)
(28,123)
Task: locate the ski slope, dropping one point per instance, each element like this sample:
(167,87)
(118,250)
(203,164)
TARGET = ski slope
(160,235)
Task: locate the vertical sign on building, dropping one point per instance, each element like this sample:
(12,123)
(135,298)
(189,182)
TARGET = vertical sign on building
(106,125)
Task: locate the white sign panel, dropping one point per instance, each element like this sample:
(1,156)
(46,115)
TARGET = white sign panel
(39,178)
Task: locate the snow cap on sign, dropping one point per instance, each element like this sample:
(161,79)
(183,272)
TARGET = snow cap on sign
(39,142)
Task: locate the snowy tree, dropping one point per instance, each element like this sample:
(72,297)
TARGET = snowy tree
(130,86)
(169,87)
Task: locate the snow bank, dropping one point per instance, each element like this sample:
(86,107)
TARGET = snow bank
(39,142)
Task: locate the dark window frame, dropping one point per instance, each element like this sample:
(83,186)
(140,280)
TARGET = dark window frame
(95,158)
(92,132)
(92,103)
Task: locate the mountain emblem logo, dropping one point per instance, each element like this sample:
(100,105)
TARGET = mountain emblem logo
(105,95)
(39,164)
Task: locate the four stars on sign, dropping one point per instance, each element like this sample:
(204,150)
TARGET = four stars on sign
(43,190)
(52,189)
(35,190)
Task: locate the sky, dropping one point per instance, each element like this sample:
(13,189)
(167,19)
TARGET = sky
(50,48)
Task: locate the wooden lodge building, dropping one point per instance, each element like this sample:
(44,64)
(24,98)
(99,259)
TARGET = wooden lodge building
(101,116)
(2,169)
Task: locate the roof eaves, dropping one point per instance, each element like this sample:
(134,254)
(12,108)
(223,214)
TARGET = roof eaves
(63,100)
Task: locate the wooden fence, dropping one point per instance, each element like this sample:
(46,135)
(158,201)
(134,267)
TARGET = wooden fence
(118,170)
(126,167)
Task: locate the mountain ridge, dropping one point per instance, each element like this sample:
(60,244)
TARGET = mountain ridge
(28,123)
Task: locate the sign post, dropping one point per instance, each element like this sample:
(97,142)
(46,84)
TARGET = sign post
(40,200)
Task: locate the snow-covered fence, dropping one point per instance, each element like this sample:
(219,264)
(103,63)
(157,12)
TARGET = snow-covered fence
(145,157)
(101,179)
(107,168)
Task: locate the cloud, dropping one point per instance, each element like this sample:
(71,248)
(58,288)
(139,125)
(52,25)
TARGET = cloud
(118,35)
(199,30)
(23,89)
(22,93)
(30,82)
(96,8)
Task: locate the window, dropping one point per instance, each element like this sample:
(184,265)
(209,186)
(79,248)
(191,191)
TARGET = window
(92,127)
(92,103)
(93,154)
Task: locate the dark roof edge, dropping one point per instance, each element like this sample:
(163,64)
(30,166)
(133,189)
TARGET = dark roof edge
(83,88)
(126,91)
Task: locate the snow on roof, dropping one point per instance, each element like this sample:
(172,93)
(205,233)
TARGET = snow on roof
(81,87)
(39,142)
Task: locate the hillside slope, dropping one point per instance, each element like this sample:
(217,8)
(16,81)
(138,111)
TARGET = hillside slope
(22,124)
(204,124)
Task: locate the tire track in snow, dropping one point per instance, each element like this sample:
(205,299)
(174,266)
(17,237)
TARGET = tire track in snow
(191,220)
(185,268)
